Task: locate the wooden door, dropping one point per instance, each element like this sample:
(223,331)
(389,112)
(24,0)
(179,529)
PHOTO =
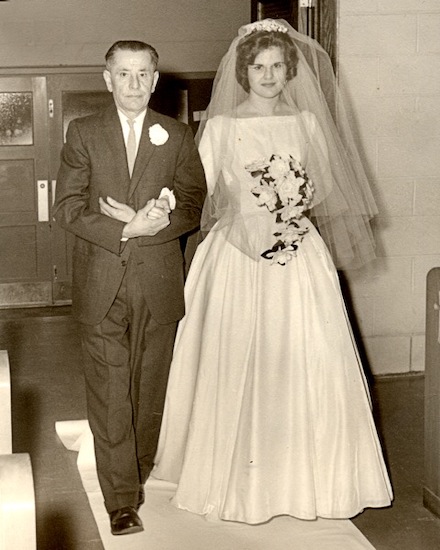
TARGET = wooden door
(35,253)
(69,96)
(25,267)
(35,111)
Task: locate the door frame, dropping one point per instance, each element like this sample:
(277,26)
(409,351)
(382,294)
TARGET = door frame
(315,18)
(38,291)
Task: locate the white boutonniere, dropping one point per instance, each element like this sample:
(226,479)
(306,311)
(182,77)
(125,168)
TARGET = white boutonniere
(158,135)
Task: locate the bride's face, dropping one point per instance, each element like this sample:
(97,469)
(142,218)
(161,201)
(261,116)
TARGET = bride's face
(267,74)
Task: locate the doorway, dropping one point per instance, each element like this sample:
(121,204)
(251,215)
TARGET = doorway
(34,113)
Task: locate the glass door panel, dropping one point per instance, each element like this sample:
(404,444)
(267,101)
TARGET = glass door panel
(16,126)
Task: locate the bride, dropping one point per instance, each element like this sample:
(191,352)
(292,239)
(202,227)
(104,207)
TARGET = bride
(267,410)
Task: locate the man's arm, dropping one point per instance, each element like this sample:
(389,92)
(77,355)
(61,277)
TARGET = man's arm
(189,187)
(73,208)
(157,208)
(148,221)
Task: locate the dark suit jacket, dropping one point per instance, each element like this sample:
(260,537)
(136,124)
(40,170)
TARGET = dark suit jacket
(94,165)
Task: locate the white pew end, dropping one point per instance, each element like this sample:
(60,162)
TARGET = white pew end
(5,405)
(17,503)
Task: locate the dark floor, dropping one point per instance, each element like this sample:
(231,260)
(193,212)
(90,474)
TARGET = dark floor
(47,386)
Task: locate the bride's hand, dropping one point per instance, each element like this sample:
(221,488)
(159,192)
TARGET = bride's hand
(161,208)
(116,210)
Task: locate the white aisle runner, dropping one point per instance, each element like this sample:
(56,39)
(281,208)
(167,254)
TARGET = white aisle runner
(167,528)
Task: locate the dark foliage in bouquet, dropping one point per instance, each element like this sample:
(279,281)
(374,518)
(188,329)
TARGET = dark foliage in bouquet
(285,189)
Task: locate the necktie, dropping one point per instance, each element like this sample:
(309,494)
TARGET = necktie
(131,146)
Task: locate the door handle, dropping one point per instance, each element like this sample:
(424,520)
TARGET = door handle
(43,200)
(53,189)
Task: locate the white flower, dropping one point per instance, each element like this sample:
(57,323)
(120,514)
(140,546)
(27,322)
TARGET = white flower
(168,194)
(158,135)
(279,168)
(266,195)
(284,256)
(289,190)
(291,212)
(292,234)
(257,166)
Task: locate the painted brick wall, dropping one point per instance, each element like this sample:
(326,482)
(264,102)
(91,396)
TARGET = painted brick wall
(190,35)
(389,66)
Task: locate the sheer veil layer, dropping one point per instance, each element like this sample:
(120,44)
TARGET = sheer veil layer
(343,205)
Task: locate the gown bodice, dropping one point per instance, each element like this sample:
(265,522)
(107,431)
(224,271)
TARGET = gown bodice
(228,146)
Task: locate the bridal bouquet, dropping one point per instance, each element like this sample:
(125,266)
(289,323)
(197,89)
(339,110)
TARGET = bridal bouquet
(285,189)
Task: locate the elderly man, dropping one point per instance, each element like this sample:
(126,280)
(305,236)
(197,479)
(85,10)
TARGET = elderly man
(130,184)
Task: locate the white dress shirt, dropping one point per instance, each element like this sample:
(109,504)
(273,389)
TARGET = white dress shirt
(138,123)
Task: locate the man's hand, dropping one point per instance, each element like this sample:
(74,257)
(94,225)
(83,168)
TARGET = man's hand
(161,208)
(147,221)
(144,226)
(117,210)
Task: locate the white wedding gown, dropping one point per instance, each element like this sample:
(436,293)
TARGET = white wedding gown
(267,410)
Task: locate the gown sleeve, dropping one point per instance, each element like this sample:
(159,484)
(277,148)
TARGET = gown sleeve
(341,207)
(317,163)
(210,153)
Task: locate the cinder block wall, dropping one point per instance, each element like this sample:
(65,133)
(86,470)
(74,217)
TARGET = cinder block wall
(389,66)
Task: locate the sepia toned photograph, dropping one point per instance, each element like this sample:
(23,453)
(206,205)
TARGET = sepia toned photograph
(220,275)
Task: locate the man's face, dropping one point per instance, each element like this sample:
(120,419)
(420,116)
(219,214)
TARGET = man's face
(132,79)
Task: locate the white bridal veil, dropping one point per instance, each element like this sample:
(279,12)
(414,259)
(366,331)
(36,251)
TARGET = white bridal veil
(343,205)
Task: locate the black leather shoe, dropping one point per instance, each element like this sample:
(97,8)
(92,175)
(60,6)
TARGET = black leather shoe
(141,498)
(125,521)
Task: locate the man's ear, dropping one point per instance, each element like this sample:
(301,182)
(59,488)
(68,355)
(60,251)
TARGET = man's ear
(108,80)
(155,79)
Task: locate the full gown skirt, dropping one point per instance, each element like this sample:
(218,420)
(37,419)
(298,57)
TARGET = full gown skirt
(267,411)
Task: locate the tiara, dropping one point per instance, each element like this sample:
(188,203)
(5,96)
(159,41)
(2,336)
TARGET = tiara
(269,25)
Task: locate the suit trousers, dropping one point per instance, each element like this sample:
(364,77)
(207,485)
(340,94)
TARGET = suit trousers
(126,365)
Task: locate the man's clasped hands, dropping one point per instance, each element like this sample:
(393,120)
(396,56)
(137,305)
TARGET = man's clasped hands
(147,221)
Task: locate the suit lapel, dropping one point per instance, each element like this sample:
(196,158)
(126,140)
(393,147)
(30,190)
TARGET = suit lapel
(115,141)
(145,151)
